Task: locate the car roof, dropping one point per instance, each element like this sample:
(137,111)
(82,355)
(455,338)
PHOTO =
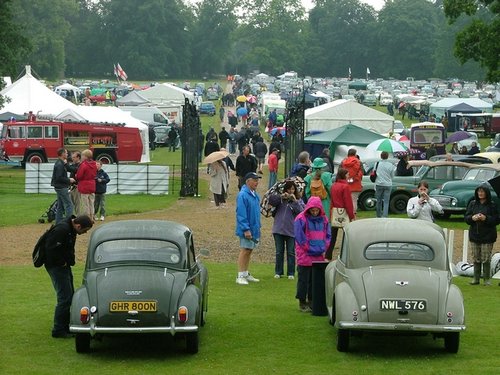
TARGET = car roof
(419,163)
(494,156)
(147,229)
(494,166)
(394,230)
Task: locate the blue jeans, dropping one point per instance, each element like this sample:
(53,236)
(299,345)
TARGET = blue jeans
(383,196)
(62,280)
(280,242)
(64,204)
(272,178)
(232,147)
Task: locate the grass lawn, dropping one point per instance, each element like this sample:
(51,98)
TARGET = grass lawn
(255,329)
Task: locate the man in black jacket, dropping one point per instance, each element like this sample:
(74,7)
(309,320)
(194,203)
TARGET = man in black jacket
(60,256)
(61,182)
(245,163)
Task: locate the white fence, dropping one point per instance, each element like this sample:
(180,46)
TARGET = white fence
(124,179)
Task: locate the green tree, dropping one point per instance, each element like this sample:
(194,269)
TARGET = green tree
(13,45)
(342,37)
(479,40)
(271,37)
(147,38)
(46,26)
(211,33)
(408,29)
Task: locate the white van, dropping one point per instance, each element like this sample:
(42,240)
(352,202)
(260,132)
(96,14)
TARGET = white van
(149,115)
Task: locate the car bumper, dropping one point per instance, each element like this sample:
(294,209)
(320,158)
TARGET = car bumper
(368,326)
(93,329)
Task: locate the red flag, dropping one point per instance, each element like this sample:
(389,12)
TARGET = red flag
(121,72)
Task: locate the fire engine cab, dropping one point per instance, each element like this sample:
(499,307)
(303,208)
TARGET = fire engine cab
(35,141)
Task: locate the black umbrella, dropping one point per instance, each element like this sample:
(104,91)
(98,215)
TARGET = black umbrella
(495,184)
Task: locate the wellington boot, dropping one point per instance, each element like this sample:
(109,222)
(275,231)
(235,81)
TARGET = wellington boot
(487,273)
(477,274)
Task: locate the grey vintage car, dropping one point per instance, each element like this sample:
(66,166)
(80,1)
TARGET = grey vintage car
(141,276)
(391,279)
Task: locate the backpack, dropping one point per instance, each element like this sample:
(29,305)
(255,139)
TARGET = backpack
(38,254)
(265,208)
(318,189)
(373,174)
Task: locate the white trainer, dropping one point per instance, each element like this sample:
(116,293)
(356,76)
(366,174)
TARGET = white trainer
(241,281)
(252,279)
(102,218)
(291,277)
(277,276)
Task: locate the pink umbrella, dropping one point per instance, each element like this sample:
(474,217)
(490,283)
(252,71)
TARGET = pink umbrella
(251,99)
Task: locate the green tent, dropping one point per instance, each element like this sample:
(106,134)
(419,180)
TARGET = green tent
(345,135)
(357,85)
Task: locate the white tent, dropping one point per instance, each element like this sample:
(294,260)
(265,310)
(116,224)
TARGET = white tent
(166,93)
(29,94)
(111,115)
(440,107)
(67,87)
(341,112)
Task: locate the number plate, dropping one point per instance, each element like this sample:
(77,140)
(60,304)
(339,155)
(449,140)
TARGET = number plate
(126,306)
(402,304)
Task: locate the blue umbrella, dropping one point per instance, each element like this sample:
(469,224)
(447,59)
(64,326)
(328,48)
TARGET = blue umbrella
(281,129)
(242,111)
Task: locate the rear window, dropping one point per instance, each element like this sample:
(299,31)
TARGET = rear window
(137,250)
(399,251)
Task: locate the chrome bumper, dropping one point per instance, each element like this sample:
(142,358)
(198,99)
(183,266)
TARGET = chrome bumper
(93,329)
(399,327)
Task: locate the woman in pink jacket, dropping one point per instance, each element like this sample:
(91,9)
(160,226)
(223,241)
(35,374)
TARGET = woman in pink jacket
(86,176)
(312,237)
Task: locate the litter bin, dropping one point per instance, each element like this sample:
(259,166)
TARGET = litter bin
(318,288)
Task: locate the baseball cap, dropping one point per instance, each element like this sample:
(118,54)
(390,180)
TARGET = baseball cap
(252,175)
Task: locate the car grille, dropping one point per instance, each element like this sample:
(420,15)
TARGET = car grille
(444,200)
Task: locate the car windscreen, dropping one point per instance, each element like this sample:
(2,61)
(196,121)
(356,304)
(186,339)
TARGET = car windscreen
(137,250)
(478,174)
(399,251)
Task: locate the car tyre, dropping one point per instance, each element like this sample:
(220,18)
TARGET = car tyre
(367,201)
(35,157)
(343,336)
(452,342)
(192,342)
(82,342)
(398,203)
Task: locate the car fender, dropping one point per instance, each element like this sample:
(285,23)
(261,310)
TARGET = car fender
(191,298)
(455,305)
(80,299)
(345,303)
(330,285)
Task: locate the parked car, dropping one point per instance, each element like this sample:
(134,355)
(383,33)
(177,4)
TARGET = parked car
(161,135)
(455,196)
(141,276)
(392,280)
(399,127)
(207,108)
(385,99)
(405,187)
(370,100)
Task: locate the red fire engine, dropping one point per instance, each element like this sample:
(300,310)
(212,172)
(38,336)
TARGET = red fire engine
(37,141)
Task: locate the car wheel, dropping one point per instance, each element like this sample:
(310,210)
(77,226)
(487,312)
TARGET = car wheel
(444,215)
(343,340)
(398,203)
(451,342)
(367,201)
(334,313)
(105,158)
(192,342)
(35,157)
(82,342)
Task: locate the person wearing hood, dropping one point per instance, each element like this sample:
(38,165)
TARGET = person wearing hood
(312,237)
(482,217)
(355,171)
(86,176)
(319,176)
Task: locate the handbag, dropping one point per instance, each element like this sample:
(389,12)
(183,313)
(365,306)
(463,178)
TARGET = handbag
(339,218)
(373,174)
